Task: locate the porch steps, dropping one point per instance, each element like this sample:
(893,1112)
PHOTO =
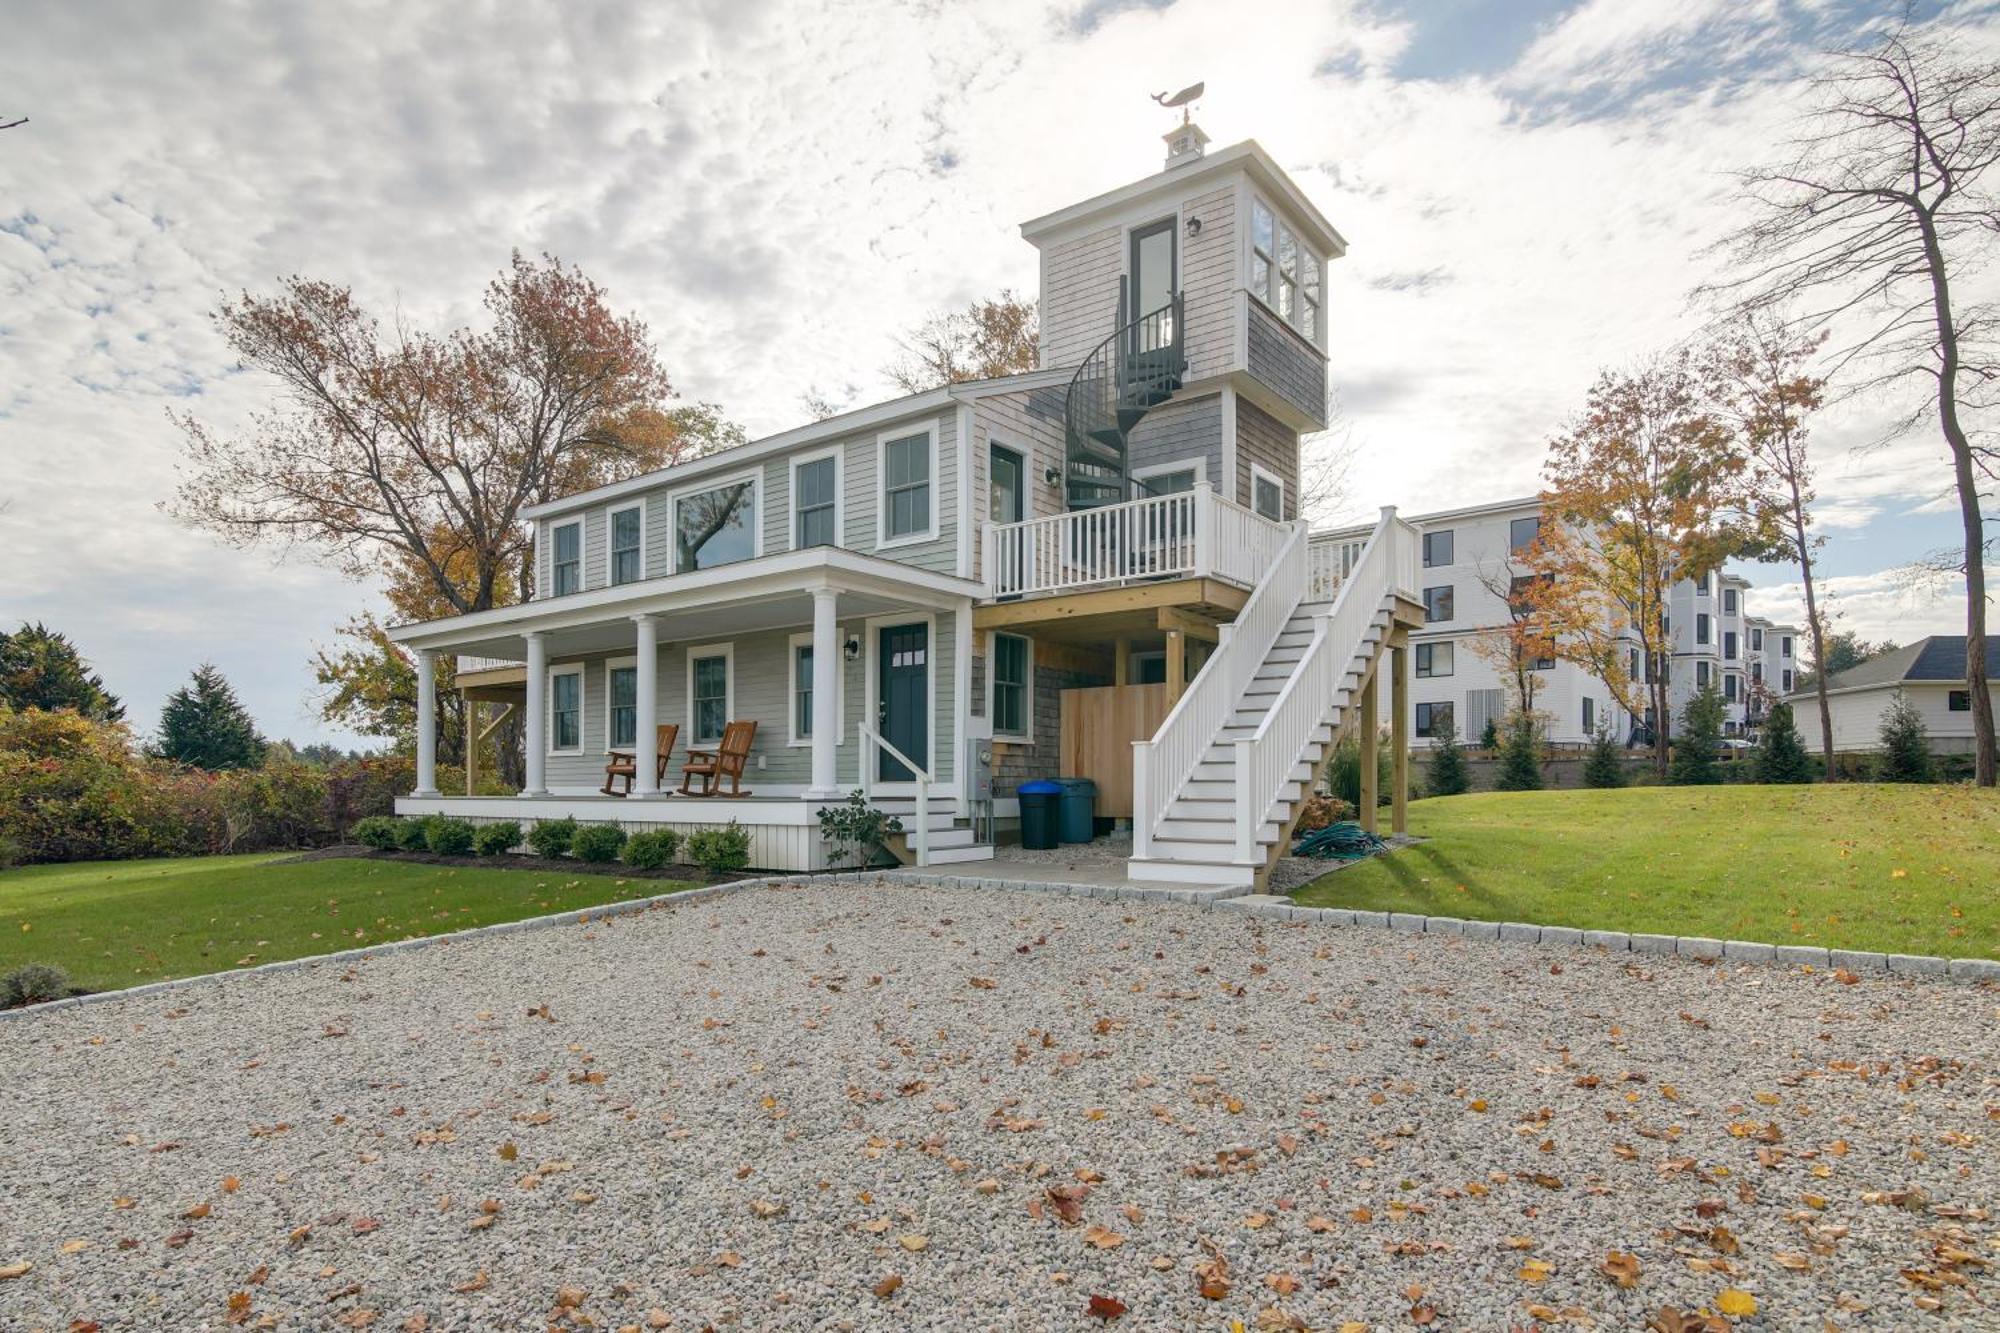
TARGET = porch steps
(951,839)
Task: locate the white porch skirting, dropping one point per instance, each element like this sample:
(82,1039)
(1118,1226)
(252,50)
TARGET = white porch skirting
(784,834)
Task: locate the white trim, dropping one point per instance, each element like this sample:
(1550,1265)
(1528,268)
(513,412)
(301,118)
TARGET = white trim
(727,652)
(755,477)
(612,664)
(961,695)
(871,642)
(1026,736)
(1225,484)
(582,567)
(883,541)
(610,552)
(1257,472)
(794,642)
(794,463)
(967,521)
(582,707)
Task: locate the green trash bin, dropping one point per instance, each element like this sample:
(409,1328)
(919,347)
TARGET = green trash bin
(1039,801)
(1079,809)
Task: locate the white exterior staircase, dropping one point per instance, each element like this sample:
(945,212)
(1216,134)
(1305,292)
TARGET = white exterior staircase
(1218,787)
(951,840)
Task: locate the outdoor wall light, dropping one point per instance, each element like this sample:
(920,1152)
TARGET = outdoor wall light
(1051,476)
(1193,228)
(852,648)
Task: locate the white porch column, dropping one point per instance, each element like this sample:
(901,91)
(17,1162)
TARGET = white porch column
(827,721)
(646,735)
(538,674)
(427,735)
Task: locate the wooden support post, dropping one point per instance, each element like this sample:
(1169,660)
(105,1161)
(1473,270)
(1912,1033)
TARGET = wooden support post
(1176,666)
(1121,662)
(1399,734)
(1366,814)
(469,710)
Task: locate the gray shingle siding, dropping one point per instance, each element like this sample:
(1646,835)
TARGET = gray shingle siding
(1181,429)
(1282,360)
(1264,440)
(1080,295)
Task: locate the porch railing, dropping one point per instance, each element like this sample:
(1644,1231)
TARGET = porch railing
(1329,560)
(468,663)
(1188,534)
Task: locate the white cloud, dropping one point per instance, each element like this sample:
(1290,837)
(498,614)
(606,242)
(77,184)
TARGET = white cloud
(778,191)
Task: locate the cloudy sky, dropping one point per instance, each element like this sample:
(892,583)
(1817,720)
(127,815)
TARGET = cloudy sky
(778,189)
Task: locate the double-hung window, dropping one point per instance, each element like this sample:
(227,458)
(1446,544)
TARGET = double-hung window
(1787,682)
(566,562)
(566,710)
(709,692)
(906,508)
(1701,627)
(1730,686)
(802,692)
(1435,659)
(1785,646)
(1437,604)
(1589,716)
(1012,665)
(621,694)
(1283,273)
(816,502)
(1437,548)
(716,526)
(1729,645)
(628,535)
(1756,640)
(1701,675)
(1958,701)
(1729,601)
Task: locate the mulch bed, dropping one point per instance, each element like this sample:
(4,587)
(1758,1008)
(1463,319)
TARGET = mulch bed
(546,865)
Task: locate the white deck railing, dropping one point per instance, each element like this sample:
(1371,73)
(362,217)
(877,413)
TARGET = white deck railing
(1264,759)
(1160,766)
(467,663)
(1191,534)
(1328,561)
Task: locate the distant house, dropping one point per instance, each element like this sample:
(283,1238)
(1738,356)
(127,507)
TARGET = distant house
(1931,672)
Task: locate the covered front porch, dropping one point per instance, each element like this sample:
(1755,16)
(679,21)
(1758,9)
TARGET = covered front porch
(853,670)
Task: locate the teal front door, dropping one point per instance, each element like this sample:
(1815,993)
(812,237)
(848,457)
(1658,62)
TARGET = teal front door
(903,713)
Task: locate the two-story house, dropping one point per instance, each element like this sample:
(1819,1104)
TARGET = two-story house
(1095,569)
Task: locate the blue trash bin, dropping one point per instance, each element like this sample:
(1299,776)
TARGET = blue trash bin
(1079,810)
(1039,801)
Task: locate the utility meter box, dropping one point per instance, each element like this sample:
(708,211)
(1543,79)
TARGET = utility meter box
(979,759)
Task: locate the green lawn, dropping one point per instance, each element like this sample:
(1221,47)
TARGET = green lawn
(1896,869)
(122,923)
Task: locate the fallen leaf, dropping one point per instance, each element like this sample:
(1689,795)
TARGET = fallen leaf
(888,1286)
(1103,1238)
(1621,1268)
(8,1272)
(913,1243)
(1106,1308)
(1735,1302)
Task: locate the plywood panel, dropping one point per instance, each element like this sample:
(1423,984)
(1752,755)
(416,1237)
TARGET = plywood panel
(1098,728)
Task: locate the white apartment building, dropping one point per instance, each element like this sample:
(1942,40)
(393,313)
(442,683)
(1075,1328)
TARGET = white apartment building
(1470,561)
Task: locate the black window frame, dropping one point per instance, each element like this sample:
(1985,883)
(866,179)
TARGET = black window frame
(1958,701)
(1426,665)
(1448,600)
(1444,537)
(1515,545)
(1427,716)
(1011,703)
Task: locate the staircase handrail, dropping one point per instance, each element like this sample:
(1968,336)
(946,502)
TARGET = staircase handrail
(1163,763)
(1264,759)
(923,780)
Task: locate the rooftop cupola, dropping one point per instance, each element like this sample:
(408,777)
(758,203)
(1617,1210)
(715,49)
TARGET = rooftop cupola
(1186,140)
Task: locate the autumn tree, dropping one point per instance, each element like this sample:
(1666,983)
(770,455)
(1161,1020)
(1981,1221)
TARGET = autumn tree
(392,445)
(987,339)
(1766,387)
(1872,226)
(1521,647)
(1645,487)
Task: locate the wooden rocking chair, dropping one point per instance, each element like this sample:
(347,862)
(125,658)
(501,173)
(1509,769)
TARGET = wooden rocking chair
(726,760)
(625,763)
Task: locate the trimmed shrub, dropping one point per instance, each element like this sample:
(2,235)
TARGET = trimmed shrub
(856,829)
(414,835)
(1489,737)
(597,843)
(1906,746)
(1446,774)
(448,837)
(719,849)
(496,839)
(551,837)
(1603,766)
(1699,742)
(33,983)
(378,831)
(1520,756)
(652,849)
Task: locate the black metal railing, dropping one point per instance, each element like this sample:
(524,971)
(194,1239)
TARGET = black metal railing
(1133,370)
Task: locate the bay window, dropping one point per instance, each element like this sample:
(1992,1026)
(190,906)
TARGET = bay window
(1284,275)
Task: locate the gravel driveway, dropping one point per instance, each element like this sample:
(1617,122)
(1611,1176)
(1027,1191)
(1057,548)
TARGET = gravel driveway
(897,1107)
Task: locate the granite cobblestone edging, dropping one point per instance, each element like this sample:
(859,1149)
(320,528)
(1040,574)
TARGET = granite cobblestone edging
(1217,898)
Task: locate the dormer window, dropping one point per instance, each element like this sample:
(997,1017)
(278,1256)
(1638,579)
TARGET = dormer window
(1283,274)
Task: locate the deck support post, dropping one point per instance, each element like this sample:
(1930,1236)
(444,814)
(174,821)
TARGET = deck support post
(1176,666)
(537,756)
(1399,733)
(827,721)
(1366,814)
(646,698)
(427,739)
